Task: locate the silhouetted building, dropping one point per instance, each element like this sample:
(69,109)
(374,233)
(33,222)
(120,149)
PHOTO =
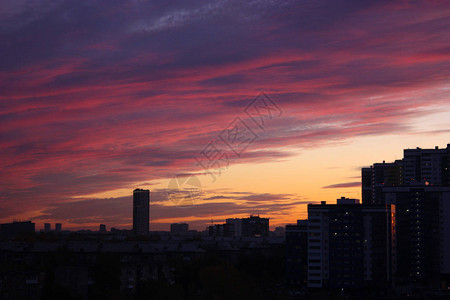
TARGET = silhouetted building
(179,228)
(419,187)
(102,228)
(11,230)
(446,167)
(58,227)
(423,234)
(279,231)
(425,166)
(297,255)
(141,210)
(251,226)
(47,227)
(351,245)
(237,223)
(255,226)
(378,176)
(221,230)
(418,167)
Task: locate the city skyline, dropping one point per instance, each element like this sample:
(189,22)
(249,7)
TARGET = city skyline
(381,178)
(100,100)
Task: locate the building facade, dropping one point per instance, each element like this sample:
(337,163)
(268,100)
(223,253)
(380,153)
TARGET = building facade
(297,255)
(226,229)
(378,176)
(255,226)
(427,167)
(11,230)
(418,185)
(141,211)
(350,245)
(423,234)
(251,226)
(237,225)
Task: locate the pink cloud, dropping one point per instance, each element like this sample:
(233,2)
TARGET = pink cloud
(93,106)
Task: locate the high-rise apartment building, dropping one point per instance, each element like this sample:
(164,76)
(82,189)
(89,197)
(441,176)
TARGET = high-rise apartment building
(297,255)
(423,234)
(419,186)
(428,167)
(350,245)
(141,211)
(376,177)
(424,166)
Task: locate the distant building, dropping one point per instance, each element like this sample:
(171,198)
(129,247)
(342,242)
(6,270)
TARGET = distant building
(237,225)
(255,226)
(344,200)
(297,255)
(141,211)
(226,229)
(47,227)
(179,228)
(279,231)
(102,228)
(11,230)
(351,245)
(251,226)
(58,227)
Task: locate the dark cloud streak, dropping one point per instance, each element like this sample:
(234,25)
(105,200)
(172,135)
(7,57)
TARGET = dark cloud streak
(96,97)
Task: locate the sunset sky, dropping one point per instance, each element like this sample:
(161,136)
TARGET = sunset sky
(101,97)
